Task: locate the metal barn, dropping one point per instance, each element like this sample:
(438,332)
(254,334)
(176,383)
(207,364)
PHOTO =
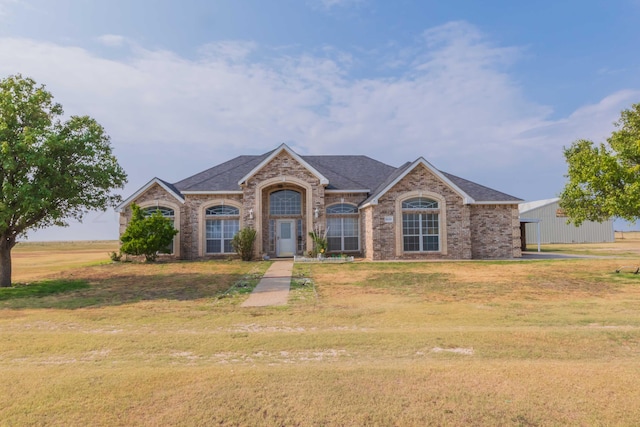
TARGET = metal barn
(544,219)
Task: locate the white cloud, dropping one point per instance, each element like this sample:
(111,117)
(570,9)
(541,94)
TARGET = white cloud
(451,100)
(232,50)
(112,40)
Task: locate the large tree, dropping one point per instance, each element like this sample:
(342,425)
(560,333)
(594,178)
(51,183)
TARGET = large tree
(604,179)
(51,169)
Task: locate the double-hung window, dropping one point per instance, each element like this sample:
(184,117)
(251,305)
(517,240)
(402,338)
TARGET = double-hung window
(420,225)
(222,223)
(343,232)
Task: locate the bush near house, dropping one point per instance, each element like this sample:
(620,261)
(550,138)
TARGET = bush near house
(147,235)
(243,243)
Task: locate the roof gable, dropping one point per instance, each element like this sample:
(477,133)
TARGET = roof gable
(296,157)
(169,188)
(403,171)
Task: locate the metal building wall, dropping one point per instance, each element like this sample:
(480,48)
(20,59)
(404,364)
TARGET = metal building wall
(554,228)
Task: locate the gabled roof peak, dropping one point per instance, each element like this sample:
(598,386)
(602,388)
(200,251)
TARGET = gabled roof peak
(405,169)
(284,147)
(169,188)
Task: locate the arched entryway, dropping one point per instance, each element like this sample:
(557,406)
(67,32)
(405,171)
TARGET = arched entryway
(285,208)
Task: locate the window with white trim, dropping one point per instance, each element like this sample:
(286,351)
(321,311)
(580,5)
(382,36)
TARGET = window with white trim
(420,225)
(343,232)
(285,202)
(167,213)
(221,224)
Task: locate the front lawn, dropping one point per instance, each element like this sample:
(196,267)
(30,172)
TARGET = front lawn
(444,343)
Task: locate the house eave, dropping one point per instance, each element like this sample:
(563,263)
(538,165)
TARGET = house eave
(296,157)
(530,220)
(346,191)
(194,193)
(144,188)
(467,200)
(371,203)
(510,202)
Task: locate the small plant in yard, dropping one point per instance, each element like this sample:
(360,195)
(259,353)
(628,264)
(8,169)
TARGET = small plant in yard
(147,235)
(243,243)
(320,243)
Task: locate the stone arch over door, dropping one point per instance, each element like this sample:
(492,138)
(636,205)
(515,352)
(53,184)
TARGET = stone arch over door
(274,184)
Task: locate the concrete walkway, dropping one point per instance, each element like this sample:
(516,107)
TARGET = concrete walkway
(273,288)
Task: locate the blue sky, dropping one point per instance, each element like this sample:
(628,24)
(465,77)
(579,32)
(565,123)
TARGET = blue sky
(491,91)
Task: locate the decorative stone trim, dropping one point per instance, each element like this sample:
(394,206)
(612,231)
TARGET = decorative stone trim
(442,220)
(202,221)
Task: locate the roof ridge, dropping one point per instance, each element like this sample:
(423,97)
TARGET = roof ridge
(397,172)
(338,173)
(249,159)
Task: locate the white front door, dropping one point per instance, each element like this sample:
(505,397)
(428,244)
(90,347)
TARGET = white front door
(285,237)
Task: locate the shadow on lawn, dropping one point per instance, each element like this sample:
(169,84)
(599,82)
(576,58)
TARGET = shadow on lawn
(91,291)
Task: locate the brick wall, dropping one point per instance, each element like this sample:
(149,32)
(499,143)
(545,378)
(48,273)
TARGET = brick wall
(385,244)
(495,231)
(470,231)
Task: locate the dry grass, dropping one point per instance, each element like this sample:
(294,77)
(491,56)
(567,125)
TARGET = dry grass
(469,343)
(35,260)
(627,244)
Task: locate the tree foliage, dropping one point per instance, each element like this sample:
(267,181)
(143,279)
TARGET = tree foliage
(604,179)
(243,241)
(147,235)
(50,170)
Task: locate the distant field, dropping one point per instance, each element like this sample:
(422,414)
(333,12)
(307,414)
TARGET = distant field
(35,260)
(520,343)
(627,244)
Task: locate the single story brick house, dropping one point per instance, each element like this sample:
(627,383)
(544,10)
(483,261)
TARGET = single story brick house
(367,208)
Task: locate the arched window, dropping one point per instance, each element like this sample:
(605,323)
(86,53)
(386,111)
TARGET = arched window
(222,223)
(167,213)
(285,202)
(420,225)
(343,233)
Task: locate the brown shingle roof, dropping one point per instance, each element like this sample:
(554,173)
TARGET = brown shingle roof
(343,173)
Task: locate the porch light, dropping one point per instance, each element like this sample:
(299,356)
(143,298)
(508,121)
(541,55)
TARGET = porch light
(316,212)
(251,213)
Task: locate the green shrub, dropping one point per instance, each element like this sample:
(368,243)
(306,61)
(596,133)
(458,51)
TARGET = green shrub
(147,235)
(243,243)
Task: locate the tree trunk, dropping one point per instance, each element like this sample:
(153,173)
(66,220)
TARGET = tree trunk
(5,261)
